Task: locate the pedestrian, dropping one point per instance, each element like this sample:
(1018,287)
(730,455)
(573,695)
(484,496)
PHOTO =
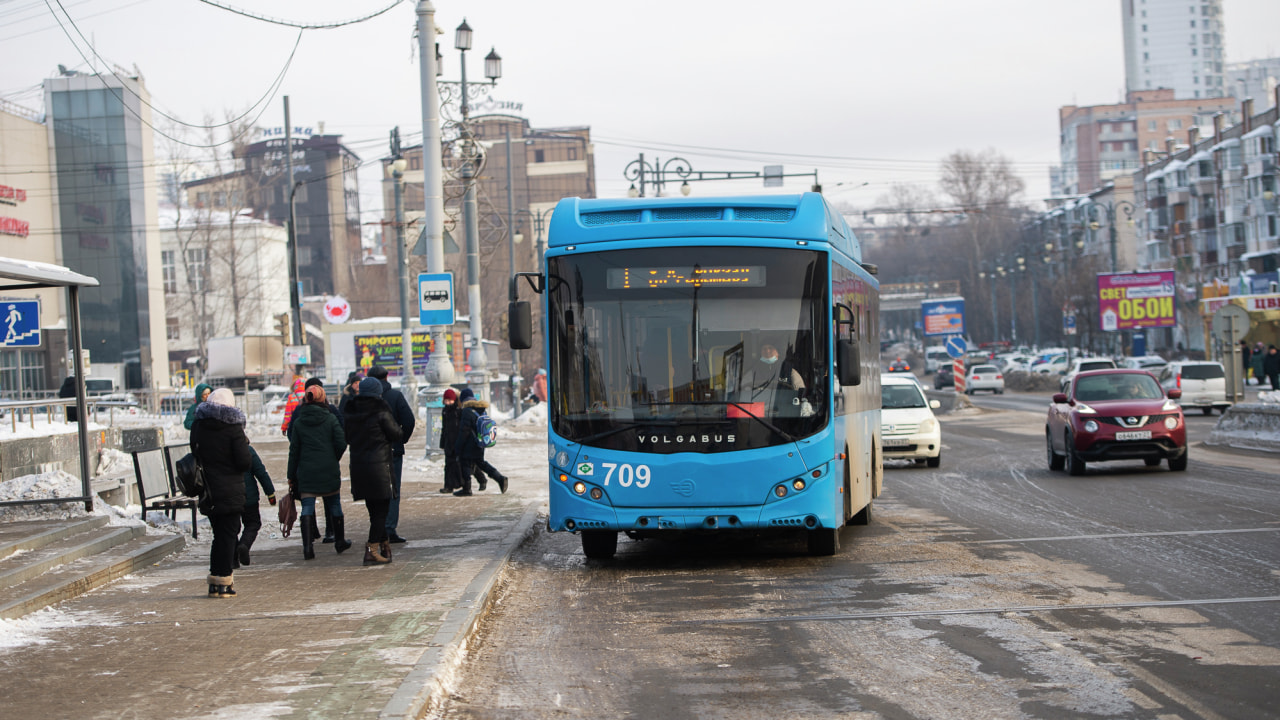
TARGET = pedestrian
(372,432)
(349,390)
(250,518)
(292,403)
(316,444)
(202,394)
(222,449)
(470,451)
(404,416)
(540,385)
(1245,355)
(328,520)
(68,390)
(1271,367)
(449,440)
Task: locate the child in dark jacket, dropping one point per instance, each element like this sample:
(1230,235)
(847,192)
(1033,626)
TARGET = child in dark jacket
(470,451)
(250,517)
(449,440)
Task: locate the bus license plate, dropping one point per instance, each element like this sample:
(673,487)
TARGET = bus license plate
(895,442)
(1134,435)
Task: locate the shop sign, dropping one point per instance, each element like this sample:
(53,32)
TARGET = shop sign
(1129,301)
(12,195)
(14,227)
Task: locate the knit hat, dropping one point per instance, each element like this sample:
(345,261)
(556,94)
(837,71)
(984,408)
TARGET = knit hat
(315,394)
(354,377)
(450,394)
(312,383)
(222,396)
(465,395)
(377,371)
(371,386)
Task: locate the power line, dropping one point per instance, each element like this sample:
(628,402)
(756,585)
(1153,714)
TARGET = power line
(300,25)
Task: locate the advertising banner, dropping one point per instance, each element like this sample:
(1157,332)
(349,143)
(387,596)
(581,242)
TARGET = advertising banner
(1130,301)
(384,349)
(943,317)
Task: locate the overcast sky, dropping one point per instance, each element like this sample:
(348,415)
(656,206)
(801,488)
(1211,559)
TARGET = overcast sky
(868,93)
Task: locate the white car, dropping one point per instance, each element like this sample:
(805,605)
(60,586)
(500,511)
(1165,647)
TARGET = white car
(908,428)
(984,377)
(933,357)
(1080,365)
(1203,385)
(1151,363)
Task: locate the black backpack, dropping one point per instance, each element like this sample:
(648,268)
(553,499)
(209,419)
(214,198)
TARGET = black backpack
(189,475)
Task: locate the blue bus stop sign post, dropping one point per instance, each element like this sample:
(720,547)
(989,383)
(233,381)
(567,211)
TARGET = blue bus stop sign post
(20,323)
(435,299)
(956,347)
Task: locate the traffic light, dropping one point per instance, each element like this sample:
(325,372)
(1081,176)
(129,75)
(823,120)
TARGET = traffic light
(282,325)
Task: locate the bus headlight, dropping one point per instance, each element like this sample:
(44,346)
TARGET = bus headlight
(780,491)
(580,487)
(596,493)
(798,484)
(562,459)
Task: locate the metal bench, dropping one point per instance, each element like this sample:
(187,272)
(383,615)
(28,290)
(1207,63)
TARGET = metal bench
(156,488)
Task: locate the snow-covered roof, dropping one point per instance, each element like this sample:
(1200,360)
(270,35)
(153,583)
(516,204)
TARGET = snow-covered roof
(38,273)
(1259,132)
(1202,156)
(1229,142)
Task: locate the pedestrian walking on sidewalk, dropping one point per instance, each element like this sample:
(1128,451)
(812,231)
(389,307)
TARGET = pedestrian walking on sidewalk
(371,434)
(250,518)
(311,519)
(1271,366)
(316,444)
(349,390)
(449,440)
(403,415)
(202,394)
(222,449)
(470,451)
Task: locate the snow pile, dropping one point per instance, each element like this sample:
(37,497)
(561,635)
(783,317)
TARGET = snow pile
(1255,426)
(113,464)
(35,627)
(56,484)
(536,415)
(1269,396)
(42,428)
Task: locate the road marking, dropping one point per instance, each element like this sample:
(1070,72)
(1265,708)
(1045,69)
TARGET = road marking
(1116,535)
(880,615)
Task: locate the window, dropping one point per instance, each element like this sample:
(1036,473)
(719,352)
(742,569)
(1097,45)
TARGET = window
(169,272)
(304,255)
(172,329)
(1175,124)
(196,269)
(1146,56)
(1152,125)
(1193,52)
(539,156)
(202,199)
(300,195)
(1271,225)
(573,153)
(1193,23)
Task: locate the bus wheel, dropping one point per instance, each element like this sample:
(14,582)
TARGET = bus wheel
(824,541)
(599,544)
(862,517)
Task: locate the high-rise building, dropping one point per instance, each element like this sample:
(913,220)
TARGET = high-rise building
(1257,79)
(1174,44)
(106,216)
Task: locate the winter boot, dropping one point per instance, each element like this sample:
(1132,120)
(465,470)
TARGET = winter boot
(328,528)
(373,555)
(221,586)
(340,541)
(502,483)
(308,537)
(385,546)
(483,482)
(242,554)
(315,528)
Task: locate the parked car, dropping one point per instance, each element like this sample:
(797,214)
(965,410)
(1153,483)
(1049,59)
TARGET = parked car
(945,377)
(935,357)
(908,428)
(984,377)
(1050,364)
(1150,363)
(1115,415)
(1203,384)
(1080,365)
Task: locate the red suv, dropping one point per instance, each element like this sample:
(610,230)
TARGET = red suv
(1115,415)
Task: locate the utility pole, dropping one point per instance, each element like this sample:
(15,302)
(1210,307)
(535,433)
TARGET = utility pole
(295,293)
(516,375)
(440,373)
(406,332)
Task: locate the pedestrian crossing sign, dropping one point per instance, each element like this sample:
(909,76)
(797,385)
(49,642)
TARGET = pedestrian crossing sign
(21,323)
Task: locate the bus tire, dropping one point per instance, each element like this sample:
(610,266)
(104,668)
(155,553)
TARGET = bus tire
(599,544)
(862,517)
(824,542)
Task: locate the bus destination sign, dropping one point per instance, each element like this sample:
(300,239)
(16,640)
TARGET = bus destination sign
(652,278)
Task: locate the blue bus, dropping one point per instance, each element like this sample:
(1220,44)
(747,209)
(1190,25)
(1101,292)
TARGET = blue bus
(713,365)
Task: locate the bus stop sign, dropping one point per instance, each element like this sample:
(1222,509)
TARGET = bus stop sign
(435,299)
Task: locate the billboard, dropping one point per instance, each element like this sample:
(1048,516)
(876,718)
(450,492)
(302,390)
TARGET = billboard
(384,349)
(1131,301)
(943,317)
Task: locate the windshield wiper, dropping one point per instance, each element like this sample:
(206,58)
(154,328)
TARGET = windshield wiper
(747,412)
(620,428)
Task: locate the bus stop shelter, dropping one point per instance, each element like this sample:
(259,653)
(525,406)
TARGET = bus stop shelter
(31,275)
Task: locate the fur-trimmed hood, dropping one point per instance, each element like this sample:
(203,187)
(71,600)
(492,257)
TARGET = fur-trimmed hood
(222,413)
(477,405)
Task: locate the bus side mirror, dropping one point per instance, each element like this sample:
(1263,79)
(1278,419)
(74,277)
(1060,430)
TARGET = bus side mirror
(519,325)
(848,363)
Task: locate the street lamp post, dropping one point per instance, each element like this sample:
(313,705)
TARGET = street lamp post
(637,170)
(398,165)
(1109,209)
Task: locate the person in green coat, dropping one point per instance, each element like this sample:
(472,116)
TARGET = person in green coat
(202,394)
(316,444)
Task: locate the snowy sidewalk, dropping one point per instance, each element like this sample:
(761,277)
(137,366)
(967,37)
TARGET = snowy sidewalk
(320,638)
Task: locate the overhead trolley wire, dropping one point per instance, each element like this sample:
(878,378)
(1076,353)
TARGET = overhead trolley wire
(300,25)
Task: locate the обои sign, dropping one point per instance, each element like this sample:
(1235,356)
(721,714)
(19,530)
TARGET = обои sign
(1130,301)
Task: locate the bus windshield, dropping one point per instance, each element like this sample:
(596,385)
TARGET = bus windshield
(688,349)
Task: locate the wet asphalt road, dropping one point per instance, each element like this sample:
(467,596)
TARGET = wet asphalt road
(989,587)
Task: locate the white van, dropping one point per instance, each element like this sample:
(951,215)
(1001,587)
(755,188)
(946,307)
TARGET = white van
(933,357)
(1203,384)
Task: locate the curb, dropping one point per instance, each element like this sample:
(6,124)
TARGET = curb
(433,676)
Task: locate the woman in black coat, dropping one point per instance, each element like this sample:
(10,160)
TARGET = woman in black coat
(222,449)
(316,444)
(371,432)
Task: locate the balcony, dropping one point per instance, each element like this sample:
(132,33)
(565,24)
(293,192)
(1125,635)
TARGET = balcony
(1265,165)
(1206,222)
(1156,202)
(1181,196)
